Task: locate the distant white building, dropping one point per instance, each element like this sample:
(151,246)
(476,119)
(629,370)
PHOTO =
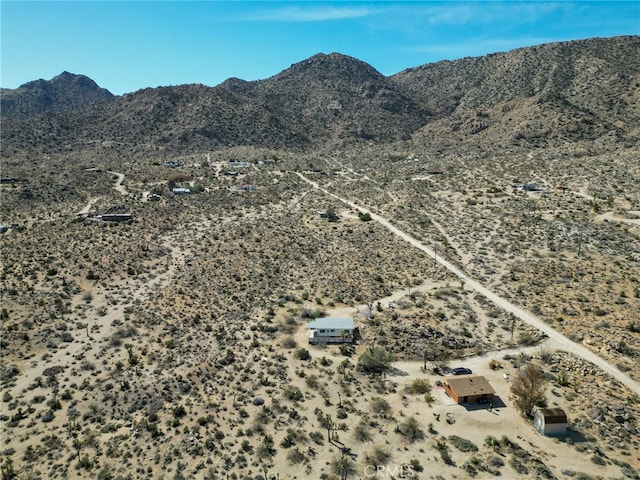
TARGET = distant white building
(232,164)
(245,188)
(331,330)
(550,421)
(181,191)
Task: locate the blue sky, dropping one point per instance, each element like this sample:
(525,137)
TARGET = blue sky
(125,46)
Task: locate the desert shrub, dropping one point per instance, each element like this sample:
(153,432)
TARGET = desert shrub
(380,406)
(179,412)
(317,437)
(85,462)
(361,433)
(411,430)
(443,449)
(47,416)
(376,361)
(325,362)
(378,456)
(265,449)
(495,365)
(312,381)
(296,457)
(289,343)
(420,386)
(347,349)
(462,444)
(526,340)
(518,465)
(415,465)
(470,466)
(293,393)
(288,441)
(562,379)
(303,354)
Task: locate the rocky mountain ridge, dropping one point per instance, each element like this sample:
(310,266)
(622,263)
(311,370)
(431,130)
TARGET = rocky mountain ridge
(579,91)
(63,93)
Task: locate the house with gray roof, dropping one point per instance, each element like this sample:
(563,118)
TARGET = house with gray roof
(330,330)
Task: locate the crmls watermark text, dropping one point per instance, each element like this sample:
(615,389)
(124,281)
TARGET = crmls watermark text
(389,471)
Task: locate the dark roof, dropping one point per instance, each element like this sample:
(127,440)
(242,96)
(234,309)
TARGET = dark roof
(469,385)
(553,415)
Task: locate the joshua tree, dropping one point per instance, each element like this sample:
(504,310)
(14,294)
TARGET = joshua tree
(343,466)
(327,422)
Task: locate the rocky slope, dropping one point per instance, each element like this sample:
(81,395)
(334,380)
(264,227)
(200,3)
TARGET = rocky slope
(63,93)
(581,91)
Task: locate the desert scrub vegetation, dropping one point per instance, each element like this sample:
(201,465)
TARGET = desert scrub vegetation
(190,357)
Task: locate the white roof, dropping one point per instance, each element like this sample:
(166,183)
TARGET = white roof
(331,323)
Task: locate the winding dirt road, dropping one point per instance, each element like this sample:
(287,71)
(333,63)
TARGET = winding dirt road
(117,186)
(562,342)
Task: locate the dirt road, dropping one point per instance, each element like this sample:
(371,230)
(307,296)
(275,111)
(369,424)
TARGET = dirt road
(562,342)
(117,186)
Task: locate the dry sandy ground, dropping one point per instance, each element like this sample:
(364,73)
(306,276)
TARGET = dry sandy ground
(505,304)
(474,423)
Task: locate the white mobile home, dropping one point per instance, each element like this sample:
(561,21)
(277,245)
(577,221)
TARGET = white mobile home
(331,330)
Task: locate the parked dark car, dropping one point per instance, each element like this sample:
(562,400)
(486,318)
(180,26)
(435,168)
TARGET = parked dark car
(461,371)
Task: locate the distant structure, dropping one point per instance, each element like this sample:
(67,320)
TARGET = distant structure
(331,330)
(245,188)
(527,187)
(9,180)
(114,217)
(181,191)
(550,421)
(468,389)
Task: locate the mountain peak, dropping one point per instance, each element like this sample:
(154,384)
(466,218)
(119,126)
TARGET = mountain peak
(325,66)
(64,92)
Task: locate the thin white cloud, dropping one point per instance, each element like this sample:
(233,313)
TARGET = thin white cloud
(309,14)
(461,13)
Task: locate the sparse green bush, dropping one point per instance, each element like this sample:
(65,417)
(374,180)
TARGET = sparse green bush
(420,386)
(293,393)
(380,406)
(302,354)
(361,432)
(411,430)
(376,361)
(462,444)
(289,343)
(378,456)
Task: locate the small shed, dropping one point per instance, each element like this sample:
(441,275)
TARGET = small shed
(550,421)
(331,330)
(468,388)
